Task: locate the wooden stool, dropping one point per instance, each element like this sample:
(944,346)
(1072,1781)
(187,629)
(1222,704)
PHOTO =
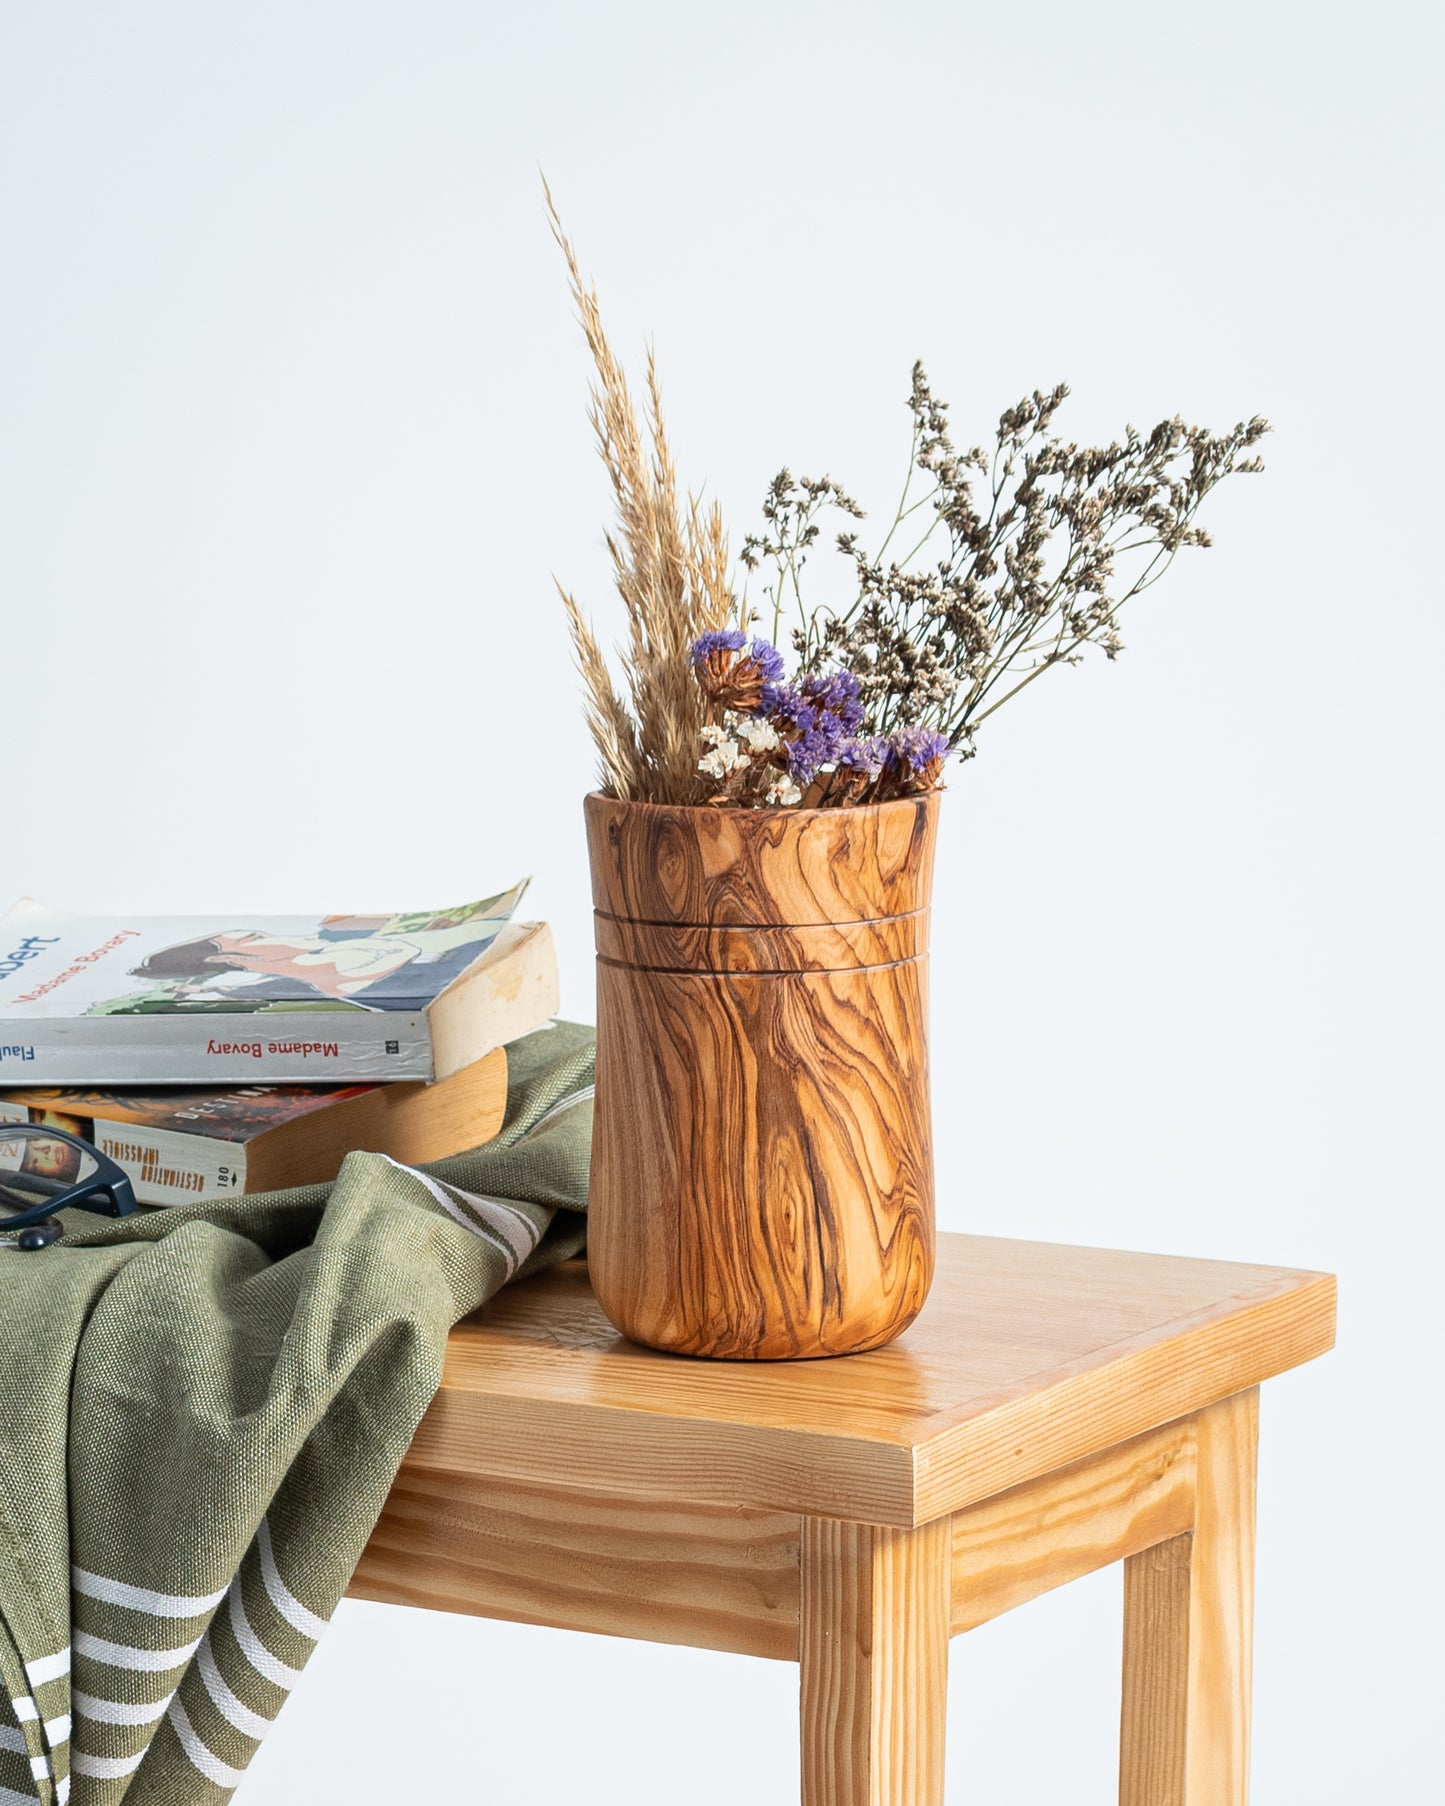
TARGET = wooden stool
(1052,1410)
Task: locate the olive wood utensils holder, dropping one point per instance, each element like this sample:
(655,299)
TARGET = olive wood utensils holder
(762,1163)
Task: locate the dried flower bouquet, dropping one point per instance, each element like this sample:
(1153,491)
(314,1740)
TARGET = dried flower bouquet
(1010,559)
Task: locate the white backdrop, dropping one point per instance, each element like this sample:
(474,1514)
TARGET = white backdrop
(292,436)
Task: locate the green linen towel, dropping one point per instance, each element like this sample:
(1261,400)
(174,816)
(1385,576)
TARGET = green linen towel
(201,1413)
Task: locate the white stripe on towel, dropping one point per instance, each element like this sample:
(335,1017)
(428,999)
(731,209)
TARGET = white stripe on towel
(143,1599)
(233,1710)
(280,1595)
(119,1711)
(57,1730)
(518,1230)
(210,1766)
(105,1768)
(254,1650)
(48,1668)
(504,1240)
(24,1709)
(585,1095)
(9,1797)
(127,1655)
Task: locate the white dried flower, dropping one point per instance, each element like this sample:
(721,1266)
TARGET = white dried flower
(759,736)
(726,755)
(783,791)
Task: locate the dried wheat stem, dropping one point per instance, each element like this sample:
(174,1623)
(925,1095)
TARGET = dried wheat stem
(670,564)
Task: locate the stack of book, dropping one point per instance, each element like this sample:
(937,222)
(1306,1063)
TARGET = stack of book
(212,1056)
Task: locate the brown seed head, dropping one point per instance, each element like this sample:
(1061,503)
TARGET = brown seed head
(731,682)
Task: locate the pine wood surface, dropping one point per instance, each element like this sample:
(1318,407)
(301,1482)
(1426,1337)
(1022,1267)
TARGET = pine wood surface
(1221,1604)
(874,1653)
(1188,1627)
(762,1163)
(1027,1357)
(1153,1712)
(568,1477)
(717,1578)
(704,1576)
(1047,1532)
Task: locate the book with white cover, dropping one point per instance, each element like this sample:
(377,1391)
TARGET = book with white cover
(87,1000)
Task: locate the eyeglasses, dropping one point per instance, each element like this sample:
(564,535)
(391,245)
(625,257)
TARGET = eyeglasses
(43,1170)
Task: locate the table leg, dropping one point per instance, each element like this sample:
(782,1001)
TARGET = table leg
(1188,1625)
(874,1658)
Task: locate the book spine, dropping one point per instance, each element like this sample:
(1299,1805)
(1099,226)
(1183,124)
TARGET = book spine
(302,1047)
(169,1166)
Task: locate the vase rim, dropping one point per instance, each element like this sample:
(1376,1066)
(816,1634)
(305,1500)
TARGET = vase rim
(770,809)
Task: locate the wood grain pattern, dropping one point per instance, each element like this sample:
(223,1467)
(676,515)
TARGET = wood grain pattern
(873,1646)
(831,947)
(1113,1394)
(714,1578)
(702,1576)
(762,1169)
(1188,1629)
(1153,1748)
(762,1179)
(1038,1536)
(1027,1357)
(746,868)
(1221,1604)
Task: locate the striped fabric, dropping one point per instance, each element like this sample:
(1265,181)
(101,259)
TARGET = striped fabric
(204,1410)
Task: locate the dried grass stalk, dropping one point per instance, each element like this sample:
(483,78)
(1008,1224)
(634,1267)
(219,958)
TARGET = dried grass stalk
(614,732)
(670,564)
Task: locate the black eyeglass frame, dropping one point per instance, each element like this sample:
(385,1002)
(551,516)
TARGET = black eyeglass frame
(108,1181)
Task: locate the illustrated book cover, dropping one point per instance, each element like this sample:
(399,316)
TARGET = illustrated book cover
(217,1000)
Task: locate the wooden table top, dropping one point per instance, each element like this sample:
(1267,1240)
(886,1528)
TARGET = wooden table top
(1026,1357)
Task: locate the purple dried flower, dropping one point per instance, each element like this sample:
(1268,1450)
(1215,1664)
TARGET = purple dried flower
(731,681)
(781,701)
(720,639)
(916,748)
(816,745)
(913,762)
(837,692)
(818,714)
(868,754)
(768,660)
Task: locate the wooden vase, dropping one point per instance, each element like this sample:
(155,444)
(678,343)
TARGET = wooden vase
(762,1162)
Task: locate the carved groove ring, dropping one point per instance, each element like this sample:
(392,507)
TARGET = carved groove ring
(775,949)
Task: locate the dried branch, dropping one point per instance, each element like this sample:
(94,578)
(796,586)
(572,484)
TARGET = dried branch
(1016,585)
